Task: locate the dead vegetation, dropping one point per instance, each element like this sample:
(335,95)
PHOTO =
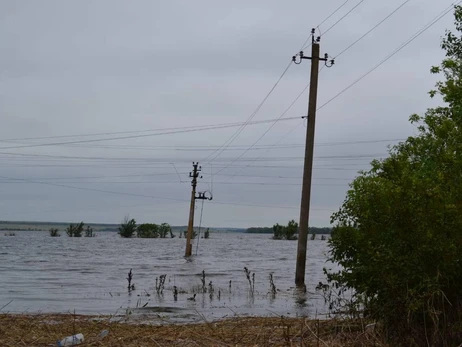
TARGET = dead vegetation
(45,330)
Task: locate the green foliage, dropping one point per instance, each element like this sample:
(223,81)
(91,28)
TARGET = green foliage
(288,232)
(54,232)
(151,230)
(127,228)
(75,230)
(165,230)
(398,234)
(147,231)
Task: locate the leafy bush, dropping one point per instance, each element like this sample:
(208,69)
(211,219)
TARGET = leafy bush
(127,228)
(75,230)
(398,234)
(147,230)
(165,230)
(54,232)
(288,232)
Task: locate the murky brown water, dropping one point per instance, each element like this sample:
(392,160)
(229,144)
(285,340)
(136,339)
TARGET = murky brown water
(39,273)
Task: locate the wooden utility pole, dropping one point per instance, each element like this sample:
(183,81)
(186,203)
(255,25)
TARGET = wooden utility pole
(194,175)
(308,164)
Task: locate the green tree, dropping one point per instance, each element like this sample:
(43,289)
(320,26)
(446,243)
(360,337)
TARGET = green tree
(75,230)
(288,232)
(165,230)
(398,234)
(278,232)
(291,230)
(148,230)
(127,228)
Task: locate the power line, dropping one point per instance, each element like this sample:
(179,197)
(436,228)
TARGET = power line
(146,196)
(338,21)
(211,127)
(404,44)
(182,182)
(268,130)
(225,160)
(230,148)
(373,28)
(254,113)
(322,22)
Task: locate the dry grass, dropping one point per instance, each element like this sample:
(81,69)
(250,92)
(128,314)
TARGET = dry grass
(45,330)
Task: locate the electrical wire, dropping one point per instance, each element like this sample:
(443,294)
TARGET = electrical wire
(338,21)
(372,29)
(242,127)
(148,196)
(322,22)
(403,45)
(212,127)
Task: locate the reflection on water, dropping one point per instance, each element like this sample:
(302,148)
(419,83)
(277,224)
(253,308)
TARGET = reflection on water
(88,275)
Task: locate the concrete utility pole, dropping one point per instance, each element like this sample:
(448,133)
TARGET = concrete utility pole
(308,165)
(194,175)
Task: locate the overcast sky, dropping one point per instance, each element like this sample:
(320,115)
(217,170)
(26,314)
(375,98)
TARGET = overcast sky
(107,72)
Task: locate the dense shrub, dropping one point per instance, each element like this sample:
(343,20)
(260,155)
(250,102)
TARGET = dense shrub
(288,232)
(398,234)
(127,228)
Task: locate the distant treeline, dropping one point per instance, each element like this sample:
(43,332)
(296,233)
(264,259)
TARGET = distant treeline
(269,230)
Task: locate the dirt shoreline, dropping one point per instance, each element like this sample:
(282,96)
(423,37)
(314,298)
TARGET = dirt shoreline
(45,329)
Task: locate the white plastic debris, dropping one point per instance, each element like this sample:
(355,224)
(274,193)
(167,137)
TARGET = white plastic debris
(73,340)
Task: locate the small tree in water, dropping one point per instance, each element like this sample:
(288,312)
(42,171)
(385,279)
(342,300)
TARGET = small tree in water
(75,230)
(165,230)
(127,228)
(147,231)
(54,232)
(288,232)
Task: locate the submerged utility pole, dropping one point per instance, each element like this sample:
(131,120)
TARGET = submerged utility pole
(308,164)
(194,175)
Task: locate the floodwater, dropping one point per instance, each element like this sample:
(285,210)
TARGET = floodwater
(39,273)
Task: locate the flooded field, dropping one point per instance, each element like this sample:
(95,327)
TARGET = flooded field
(44,274)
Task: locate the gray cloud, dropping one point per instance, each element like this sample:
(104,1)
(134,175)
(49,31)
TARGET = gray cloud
(87,67)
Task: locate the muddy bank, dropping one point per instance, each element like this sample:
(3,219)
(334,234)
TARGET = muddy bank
(45,330)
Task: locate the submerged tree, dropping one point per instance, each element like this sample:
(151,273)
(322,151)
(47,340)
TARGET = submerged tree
(287,232)
(147,230)
(127,228)
(54,232)
(165,230)
(75,230)
(398,234)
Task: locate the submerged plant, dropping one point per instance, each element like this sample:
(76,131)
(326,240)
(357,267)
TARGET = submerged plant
(129,279)
(272,286)
(204,289)
(250,278)
(54,232)
(160,284)
(175,293)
